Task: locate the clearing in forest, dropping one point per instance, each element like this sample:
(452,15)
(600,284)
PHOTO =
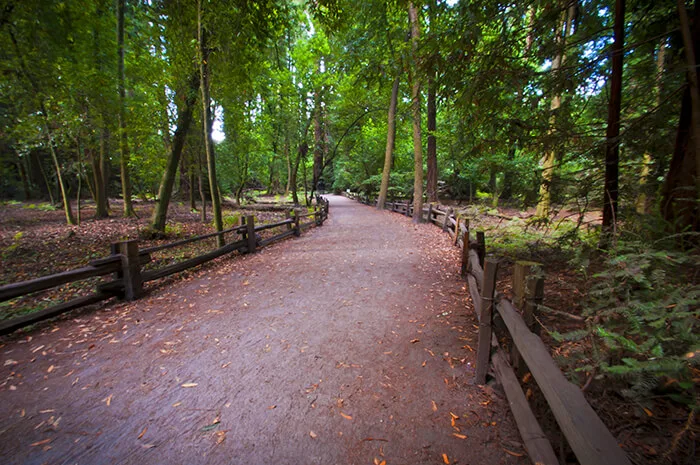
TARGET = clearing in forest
(350,345)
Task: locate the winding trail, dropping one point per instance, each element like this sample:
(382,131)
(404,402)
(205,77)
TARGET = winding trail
(349,345)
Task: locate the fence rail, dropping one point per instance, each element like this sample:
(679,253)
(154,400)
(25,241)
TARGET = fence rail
(589,438)
(126,264)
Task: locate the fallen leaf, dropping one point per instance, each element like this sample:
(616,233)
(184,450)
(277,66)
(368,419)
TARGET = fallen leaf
(413,341)
(460,436)
(434,406)
(424,363)
(210,427)
(51,368)
(648,412)
(148,446)
(272,407)
(189,385)
(445,459)
(220,437)
(41,443)
(177,404)
(347,417)
(456,417)
(514,454)
(143,432)
(108,400)
(313,435)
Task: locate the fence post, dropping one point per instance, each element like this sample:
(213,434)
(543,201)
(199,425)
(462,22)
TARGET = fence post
(430,213)
(131,269)
(446,220)
(483,353)
(114,250)
(250,233)
(533,298)
(288,215)
(297,228)
(481,242)
(408,208)
(465,248)
(523,272)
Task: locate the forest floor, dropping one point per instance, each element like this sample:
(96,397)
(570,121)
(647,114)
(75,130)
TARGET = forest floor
(352,344)
(35,241)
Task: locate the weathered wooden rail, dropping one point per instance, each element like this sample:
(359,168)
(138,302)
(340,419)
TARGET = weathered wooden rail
(126,263)
(589,438)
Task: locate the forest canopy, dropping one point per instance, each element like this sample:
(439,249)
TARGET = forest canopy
(578,103)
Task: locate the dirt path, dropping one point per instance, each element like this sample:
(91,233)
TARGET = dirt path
(349,345)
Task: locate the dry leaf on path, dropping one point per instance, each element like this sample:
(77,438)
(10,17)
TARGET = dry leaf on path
(108,400)
(446,459)
(514,454)
(143,432)
(347,417)
(434,406)
(189,385)
(460,436)
(313,435)
(41,443)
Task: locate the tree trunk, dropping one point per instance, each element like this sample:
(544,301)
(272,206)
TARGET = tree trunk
(23,176)
(641,202)
(432,174)
(689,43)
(612,136)
(318,144)
(390,142)
(200,184)
(679,193)
(125,156)
(415,103)
(207,121)
(548,161)
(184,118)
(289,166)
(70,219)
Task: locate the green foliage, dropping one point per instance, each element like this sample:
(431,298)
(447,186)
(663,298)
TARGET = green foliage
(231,220)
(643,319)
(16,242)
(174,229)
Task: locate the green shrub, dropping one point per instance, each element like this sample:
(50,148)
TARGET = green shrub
(643,321)
(231,220)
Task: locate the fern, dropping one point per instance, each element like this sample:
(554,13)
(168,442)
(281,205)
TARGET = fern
(643,320)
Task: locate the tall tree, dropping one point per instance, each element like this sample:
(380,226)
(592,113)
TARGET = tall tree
(207,122)
(415,105)
(612,137)
(184,119)
(679,195)
(50,140)
(431,154)
(125,155)
(390,142)
(548,162)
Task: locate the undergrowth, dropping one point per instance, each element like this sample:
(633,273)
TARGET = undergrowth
(642,323)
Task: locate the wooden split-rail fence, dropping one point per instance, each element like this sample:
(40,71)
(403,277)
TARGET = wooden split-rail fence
(587,435)
(126,261)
